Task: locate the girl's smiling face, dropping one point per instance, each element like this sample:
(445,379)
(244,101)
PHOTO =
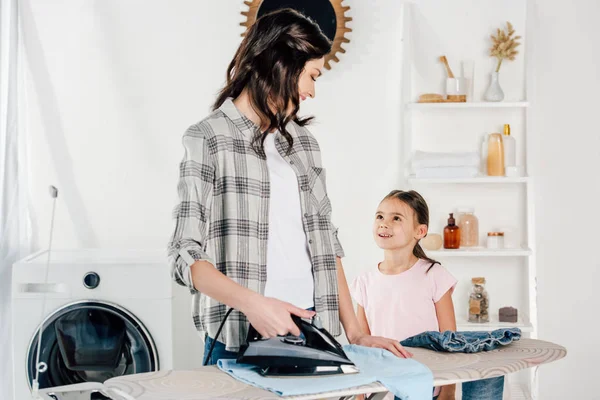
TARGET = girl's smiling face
(395,226)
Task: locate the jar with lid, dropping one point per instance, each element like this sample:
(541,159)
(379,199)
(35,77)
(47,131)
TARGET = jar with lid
(469,227)
(495,240)
(479,303)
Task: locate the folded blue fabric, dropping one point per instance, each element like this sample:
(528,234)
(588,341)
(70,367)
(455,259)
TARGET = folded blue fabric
(463,342)
(405,378)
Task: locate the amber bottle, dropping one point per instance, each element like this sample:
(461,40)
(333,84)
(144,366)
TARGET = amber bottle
(451,234)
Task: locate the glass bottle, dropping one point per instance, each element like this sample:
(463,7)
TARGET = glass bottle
(479,302)
(495,156)
(469,227)
(451,234)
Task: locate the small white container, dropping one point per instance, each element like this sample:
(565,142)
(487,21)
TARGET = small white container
(495,240)
(456,87)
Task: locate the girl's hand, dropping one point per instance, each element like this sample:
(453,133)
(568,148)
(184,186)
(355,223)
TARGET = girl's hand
(383,343)
(271,317)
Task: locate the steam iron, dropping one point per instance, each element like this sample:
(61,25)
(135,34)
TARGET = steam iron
(314,352)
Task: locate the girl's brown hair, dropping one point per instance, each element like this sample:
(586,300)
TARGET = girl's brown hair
(419,206)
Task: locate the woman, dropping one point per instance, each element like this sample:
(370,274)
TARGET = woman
(253,227)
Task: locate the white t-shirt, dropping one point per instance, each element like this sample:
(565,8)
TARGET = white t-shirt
(289,268)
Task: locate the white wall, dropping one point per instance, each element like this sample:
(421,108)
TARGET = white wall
(112,86)
(567,192)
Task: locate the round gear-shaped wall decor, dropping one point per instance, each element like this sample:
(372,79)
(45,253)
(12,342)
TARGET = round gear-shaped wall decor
(330,15)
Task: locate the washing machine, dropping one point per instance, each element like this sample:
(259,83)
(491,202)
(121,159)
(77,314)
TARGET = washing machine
(101,313)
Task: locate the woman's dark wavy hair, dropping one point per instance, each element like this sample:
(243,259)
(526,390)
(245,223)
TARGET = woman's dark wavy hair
(268,64)
(419,206)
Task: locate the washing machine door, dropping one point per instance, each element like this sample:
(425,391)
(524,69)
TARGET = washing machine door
(90,341)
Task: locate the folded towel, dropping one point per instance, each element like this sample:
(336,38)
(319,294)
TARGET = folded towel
(463,342)
(447,172)
(405,378)
(424,159)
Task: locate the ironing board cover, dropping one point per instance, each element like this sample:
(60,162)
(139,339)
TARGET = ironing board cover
(447,368)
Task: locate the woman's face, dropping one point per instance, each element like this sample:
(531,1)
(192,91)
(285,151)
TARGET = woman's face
(306,83)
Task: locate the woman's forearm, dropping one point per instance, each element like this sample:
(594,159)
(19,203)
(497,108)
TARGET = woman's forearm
(210,281)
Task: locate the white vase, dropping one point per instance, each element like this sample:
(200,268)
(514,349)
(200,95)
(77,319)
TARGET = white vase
(494,91)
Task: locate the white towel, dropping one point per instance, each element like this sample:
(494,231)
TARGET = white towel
(447,172)
(423,159)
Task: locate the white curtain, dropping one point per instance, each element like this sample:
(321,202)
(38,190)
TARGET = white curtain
(15,227)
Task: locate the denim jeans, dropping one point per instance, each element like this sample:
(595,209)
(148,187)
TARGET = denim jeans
(219,352)
(484,389)
(463,342)
(469,342)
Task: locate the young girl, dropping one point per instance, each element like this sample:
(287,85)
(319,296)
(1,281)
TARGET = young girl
(408,293)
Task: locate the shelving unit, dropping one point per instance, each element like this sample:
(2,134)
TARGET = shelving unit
(475,180)
(481,252)
(416,120)
(433,106)
(522,323)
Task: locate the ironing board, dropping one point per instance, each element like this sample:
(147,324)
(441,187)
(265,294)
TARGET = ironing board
(447,368)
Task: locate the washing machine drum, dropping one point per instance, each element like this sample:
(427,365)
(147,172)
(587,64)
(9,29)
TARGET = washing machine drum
(91,342)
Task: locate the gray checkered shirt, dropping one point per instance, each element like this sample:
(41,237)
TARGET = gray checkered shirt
(223,215)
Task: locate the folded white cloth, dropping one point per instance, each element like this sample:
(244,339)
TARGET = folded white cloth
(425,159)
(447,172)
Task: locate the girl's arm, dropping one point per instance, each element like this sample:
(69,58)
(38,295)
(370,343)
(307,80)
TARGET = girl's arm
(362,320)
(444,309)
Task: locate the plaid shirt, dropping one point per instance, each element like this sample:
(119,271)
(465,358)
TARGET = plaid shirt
(223,217)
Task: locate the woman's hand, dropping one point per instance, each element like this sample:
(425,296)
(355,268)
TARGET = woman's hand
(383,343)
(271,317)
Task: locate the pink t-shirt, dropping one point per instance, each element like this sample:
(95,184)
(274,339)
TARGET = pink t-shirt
(403,305)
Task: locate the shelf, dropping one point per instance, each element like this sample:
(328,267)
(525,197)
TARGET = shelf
(478,179)
(479,104)
(480,252)
(463,325)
